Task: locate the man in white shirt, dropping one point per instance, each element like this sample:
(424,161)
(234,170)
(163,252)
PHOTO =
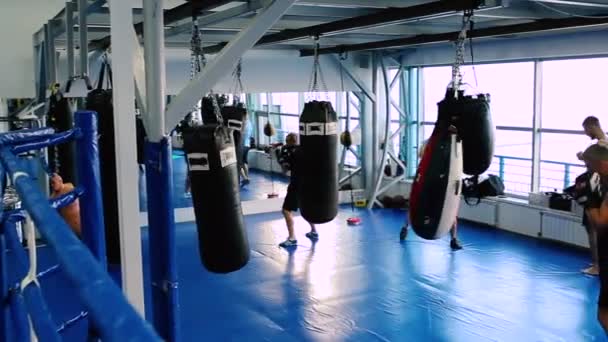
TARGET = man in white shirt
(454,243)
(593,129)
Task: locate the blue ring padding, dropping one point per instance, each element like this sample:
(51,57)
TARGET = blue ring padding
(161,231)
(66,199)
(47,141)
(112,316)
(21,325)
(25,135)
(89,176)
(40,315)
(4,322)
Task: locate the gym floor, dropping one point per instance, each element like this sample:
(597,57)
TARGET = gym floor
(362,284)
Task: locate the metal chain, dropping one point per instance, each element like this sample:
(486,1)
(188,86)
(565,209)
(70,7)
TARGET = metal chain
(317,73)
(460,51)
(197,62)
(238,83)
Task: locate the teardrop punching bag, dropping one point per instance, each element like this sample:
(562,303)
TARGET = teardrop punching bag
(472,117)
(222,239)
(317,164)
(435,196)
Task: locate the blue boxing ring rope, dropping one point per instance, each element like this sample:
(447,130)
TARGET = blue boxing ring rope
(23,306)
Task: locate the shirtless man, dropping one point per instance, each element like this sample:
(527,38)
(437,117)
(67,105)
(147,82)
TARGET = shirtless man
(71,212)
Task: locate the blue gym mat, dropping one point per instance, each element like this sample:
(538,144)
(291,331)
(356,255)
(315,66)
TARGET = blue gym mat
(362,284)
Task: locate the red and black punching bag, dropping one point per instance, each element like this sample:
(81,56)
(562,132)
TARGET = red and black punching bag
(472,117)
(435,195)
(212,167)
(317,164)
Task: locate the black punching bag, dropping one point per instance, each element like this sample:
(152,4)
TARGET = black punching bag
(317,164)
(222,239)
(100,101)
(472,117)
(234,118)
(61,157)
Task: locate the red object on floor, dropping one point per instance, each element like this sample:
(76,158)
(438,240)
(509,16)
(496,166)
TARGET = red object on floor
(353,221)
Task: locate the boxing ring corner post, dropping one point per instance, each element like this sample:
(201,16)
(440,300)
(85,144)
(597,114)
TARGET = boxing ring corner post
(91,206)
(159,181)
(111,314)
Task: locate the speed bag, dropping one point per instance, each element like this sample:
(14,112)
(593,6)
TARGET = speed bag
(435,196)
(317,165)
(473,119)
(100,101)
(62,158)
(234,118)
(212,167)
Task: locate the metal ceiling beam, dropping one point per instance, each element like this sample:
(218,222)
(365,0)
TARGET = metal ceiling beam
(576,3)
(390,16)
(357,3)
(170,16)
(535,26)
(217,17)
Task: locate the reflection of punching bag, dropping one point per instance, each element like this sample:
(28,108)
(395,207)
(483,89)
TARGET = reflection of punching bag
(317,164)
(234,118)
(61,119)
(472,117)
(435,195)
(212,164)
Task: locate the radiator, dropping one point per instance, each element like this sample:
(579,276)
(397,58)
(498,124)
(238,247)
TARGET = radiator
(561,228)
(519,219)
(484,212)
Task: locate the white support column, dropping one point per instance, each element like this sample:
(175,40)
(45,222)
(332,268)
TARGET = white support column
(121,20)
(536,125)
(69,37)
(82,32)
(155,64)
(226,60)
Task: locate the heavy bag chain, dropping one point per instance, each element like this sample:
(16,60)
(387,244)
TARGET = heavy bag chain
(238,83)
(197,57)
(317,74)
(460,51)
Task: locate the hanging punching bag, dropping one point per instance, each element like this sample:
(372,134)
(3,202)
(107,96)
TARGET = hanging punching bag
(472,117)
(317,164)
(207,111)
(435,196)
(222,239)
(100,101)
(61,157)
(234,118)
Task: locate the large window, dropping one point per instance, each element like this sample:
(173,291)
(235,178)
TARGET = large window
(511,89)
(571,90)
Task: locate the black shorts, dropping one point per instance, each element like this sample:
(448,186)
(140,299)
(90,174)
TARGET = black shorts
(291,199)
(245,153)
(602,249)
(585,218)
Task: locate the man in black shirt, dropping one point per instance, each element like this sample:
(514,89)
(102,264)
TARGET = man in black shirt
(288,156)
(596,157)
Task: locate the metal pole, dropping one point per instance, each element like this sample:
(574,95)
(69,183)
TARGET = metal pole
(91,206)
(536,125)
(159,176)
(226,60)
(123,96)
(69,36)
(82,33)
(375,113)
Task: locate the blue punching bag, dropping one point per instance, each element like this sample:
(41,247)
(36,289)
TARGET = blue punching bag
(212,167)
(317,164)
(472,117)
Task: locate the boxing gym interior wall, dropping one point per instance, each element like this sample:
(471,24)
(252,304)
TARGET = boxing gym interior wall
(303,169)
